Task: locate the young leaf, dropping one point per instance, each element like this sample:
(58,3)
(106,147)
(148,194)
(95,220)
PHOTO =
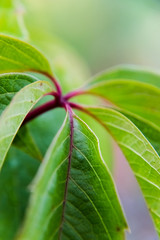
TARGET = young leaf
(141,156)
(16,55)
(13,116)
(73,195)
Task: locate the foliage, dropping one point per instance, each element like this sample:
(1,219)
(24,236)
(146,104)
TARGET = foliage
(72,195)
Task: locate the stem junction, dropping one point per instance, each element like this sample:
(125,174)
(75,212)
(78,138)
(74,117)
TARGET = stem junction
(59,101)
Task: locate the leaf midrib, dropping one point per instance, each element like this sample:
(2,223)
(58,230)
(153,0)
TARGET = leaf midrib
(71,121)
(12,61)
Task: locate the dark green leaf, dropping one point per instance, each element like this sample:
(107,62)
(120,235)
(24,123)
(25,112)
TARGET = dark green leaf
(16,174)
(46,125)
(73,195)
(25,142)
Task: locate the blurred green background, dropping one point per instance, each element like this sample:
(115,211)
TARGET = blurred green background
(82,38)
(103,32)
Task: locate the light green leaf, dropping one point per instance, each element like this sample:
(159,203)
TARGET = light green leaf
(141,156)
(13,116)
(73,195)
(151,132)
(126,72)
(16,55)
(131,93)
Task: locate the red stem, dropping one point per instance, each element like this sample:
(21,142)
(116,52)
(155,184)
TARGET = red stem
(82,109)
(54,94)
(52,105)
(40,110)
(52,78)
(74,94)
(57,85)
(76,106)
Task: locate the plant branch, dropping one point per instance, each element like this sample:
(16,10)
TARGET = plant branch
(53,79)
(84,92)
(82,109)
(40,110)
(74,94)
(76,106)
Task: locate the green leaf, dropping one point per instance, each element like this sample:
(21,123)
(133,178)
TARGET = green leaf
(25,142)
(142,157)
(47,129)
(73,195)
(10,84)
(138,97)
(151,132)
(127,72)
(16,55)
(13,116)
(17,173)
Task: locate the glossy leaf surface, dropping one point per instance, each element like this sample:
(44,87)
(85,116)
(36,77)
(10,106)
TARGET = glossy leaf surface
(76,199)
(141,156)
